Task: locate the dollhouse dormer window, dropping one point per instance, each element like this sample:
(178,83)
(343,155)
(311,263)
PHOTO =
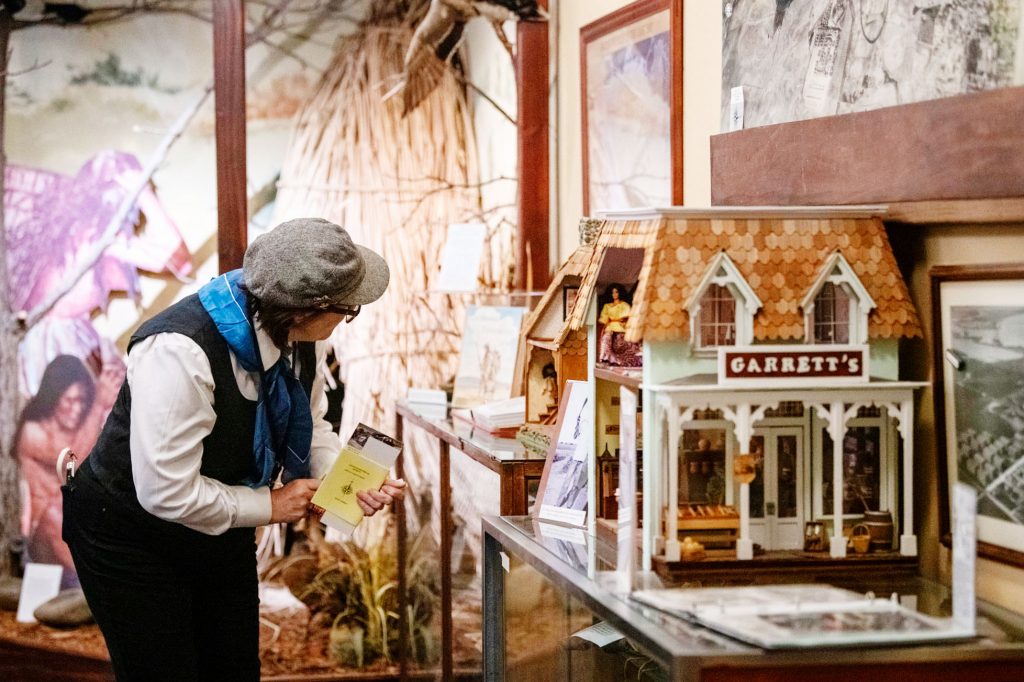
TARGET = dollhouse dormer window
(837,305)
(717,317)
(722,308)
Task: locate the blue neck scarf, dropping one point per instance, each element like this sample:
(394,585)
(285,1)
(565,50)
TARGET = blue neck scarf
(284,420)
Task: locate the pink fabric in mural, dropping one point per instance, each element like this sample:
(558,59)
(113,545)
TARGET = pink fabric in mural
(53,219)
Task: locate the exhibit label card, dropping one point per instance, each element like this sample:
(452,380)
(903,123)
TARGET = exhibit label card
(965,505)
(562,495)
(40,584)
(460,259)
(602,634)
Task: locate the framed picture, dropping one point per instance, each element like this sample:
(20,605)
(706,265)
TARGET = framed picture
(978,322)
(631,73)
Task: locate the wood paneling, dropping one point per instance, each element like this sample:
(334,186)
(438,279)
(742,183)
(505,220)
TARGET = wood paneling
(967,147)
(957,211)
(534,266)
(229,103)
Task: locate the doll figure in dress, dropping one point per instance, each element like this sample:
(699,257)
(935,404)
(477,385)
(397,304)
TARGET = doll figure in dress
(614,349)
(550,393)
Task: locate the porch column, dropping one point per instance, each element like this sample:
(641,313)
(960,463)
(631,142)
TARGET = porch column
(837,430)
(744,430)
(908,540)
(671,505)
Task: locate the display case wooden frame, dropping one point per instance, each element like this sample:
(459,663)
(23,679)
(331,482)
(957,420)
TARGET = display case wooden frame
(1004,274)
(618,21)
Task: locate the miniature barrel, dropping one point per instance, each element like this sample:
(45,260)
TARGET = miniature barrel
(879,525)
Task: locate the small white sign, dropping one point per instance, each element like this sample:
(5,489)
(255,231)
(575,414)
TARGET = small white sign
(505,564)
(40,584)
(965,548)
(736,109)
(460,259)
(560,532)
(602,634)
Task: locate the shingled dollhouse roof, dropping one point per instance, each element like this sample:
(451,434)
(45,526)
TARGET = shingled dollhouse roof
(570,342)
(780,252)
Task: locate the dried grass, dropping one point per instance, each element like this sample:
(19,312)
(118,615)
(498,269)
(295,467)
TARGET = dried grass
(395,184)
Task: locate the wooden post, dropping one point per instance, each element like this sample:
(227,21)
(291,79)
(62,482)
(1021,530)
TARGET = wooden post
(229,103)
(10,336)
(533,249)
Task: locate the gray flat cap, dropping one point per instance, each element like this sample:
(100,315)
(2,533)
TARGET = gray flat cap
(313,263)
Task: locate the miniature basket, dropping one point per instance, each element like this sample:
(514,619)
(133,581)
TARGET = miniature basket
(860,538)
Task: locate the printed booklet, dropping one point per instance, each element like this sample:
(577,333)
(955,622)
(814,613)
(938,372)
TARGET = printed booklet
(363,464)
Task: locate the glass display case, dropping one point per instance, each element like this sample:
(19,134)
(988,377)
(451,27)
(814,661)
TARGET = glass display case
(476,474)
(544,586)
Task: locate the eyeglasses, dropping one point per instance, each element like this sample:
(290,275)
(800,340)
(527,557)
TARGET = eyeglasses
(347,311)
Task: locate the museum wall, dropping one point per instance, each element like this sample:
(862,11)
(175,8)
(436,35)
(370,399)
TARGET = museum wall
(919,247)
(922,247)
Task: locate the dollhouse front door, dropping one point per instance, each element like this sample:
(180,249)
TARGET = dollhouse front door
(776,498)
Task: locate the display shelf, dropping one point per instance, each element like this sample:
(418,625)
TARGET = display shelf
(630,378)
(516,554)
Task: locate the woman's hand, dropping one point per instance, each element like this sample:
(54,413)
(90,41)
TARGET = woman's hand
(290,501)
(372,501)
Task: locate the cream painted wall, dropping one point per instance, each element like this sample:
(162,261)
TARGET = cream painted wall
(702,69)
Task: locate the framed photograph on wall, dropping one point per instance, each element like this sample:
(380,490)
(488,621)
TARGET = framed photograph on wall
(978,324)
(569,294)
(631,74)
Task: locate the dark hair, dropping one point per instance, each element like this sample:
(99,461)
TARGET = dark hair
(276,321)
(624,294)
(548,370)
(62,373)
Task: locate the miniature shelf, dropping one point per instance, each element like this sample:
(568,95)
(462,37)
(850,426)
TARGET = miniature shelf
(630,378)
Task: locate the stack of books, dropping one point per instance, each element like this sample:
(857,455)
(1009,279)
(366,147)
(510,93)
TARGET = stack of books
(500,417)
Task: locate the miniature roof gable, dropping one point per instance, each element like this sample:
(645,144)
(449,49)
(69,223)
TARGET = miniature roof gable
(721,268)
(836,265)
(629,234)
(780,253)
(538,322)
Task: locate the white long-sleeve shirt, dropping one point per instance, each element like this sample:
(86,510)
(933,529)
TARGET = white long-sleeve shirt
(172,412)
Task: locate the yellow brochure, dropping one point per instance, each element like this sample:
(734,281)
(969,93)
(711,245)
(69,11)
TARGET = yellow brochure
(363,464)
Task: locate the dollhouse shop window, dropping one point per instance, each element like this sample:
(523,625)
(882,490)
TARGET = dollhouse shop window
(832,315)
(862,462)
(717,317)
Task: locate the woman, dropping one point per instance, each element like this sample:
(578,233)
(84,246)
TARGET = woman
(614,349)
(65,412)
(218,429)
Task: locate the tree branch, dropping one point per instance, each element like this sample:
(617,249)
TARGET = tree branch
(469,84)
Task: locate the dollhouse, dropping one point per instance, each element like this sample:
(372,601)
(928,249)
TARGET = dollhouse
(554,353)
(767,340)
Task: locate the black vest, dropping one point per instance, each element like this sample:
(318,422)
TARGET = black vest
(227,450)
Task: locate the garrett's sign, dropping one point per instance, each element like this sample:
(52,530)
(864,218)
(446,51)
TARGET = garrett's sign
(793,365)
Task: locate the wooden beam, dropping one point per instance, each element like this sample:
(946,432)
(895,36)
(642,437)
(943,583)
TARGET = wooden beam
(966,147)
(533,249)
(229,103)
(953,212)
